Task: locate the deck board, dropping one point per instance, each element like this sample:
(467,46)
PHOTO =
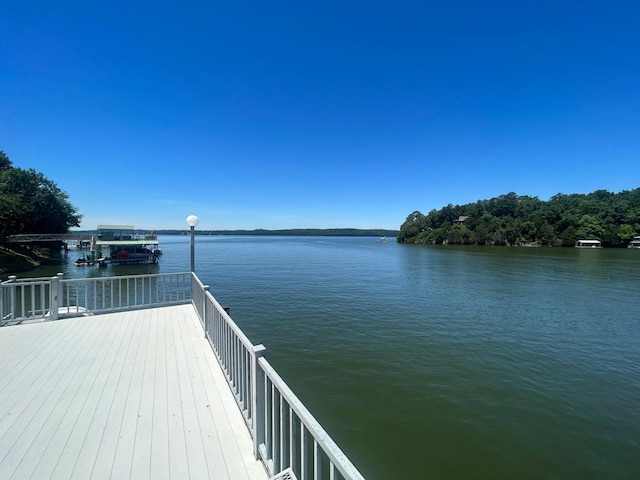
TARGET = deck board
(134,395)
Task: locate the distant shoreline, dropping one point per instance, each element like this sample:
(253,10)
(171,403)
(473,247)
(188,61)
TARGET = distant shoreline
(326,232)
(20,259)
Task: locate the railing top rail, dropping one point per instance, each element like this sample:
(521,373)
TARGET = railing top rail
(336,456)
(123,277)
(47,237)
(26,281)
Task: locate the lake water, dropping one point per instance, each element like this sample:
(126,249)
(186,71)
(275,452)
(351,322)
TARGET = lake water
(441,362)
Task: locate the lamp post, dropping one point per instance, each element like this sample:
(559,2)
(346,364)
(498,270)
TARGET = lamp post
(192,221)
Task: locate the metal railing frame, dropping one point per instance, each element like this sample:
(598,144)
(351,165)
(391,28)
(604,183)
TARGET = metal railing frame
(285,434)
(48,298)
(25,299)
(107,294)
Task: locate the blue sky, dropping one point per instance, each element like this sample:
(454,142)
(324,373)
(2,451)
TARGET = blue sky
(317,114)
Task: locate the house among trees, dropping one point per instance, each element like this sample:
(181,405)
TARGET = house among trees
(613,219)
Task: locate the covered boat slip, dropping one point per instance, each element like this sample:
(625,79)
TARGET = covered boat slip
(119,244)
(588,244)
(135,394)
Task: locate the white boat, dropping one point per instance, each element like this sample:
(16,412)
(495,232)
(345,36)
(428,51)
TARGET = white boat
(70,311)
(635,243)
(86,260)
(120,245)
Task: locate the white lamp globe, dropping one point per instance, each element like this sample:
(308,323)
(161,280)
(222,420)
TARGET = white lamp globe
(192,221)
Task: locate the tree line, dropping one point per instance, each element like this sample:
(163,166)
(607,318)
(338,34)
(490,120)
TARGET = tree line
(31,203)
(511,219)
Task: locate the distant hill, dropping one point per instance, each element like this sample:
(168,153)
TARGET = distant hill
(333,232)
(511,219)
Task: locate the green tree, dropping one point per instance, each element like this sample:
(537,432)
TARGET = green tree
(459,235)
(568,236)
(546,235)
(625,233)
(31,203)
(590,227)
(4,161)
(412,227)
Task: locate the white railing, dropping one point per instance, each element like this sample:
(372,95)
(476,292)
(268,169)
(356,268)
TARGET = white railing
(32,299)
(285,434)
(291,436)
(104,294)
(26,299)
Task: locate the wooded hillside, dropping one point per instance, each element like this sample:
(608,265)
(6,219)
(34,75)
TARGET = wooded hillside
(511,219)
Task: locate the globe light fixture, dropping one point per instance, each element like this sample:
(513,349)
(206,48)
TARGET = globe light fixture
(193,221)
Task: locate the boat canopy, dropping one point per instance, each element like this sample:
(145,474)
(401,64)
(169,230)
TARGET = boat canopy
(588,243)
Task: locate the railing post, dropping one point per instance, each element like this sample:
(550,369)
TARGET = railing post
(258,400)
(205,289)
(55,294)
(3,298)
(60,291)
(12,296)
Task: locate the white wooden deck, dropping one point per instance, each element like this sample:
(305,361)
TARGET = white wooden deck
(123,395)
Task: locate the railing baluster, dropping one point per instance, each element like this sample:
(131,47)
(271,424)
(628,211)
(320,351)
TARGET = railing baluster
(317,461)
(274,433)
(22,304)
(304,465)
(282,433)
(32,292)
(293,440)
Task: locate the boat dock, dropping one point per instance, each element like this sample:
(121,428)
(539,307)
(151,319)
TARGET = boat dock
(113,244)
(145,376)
(119,395)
